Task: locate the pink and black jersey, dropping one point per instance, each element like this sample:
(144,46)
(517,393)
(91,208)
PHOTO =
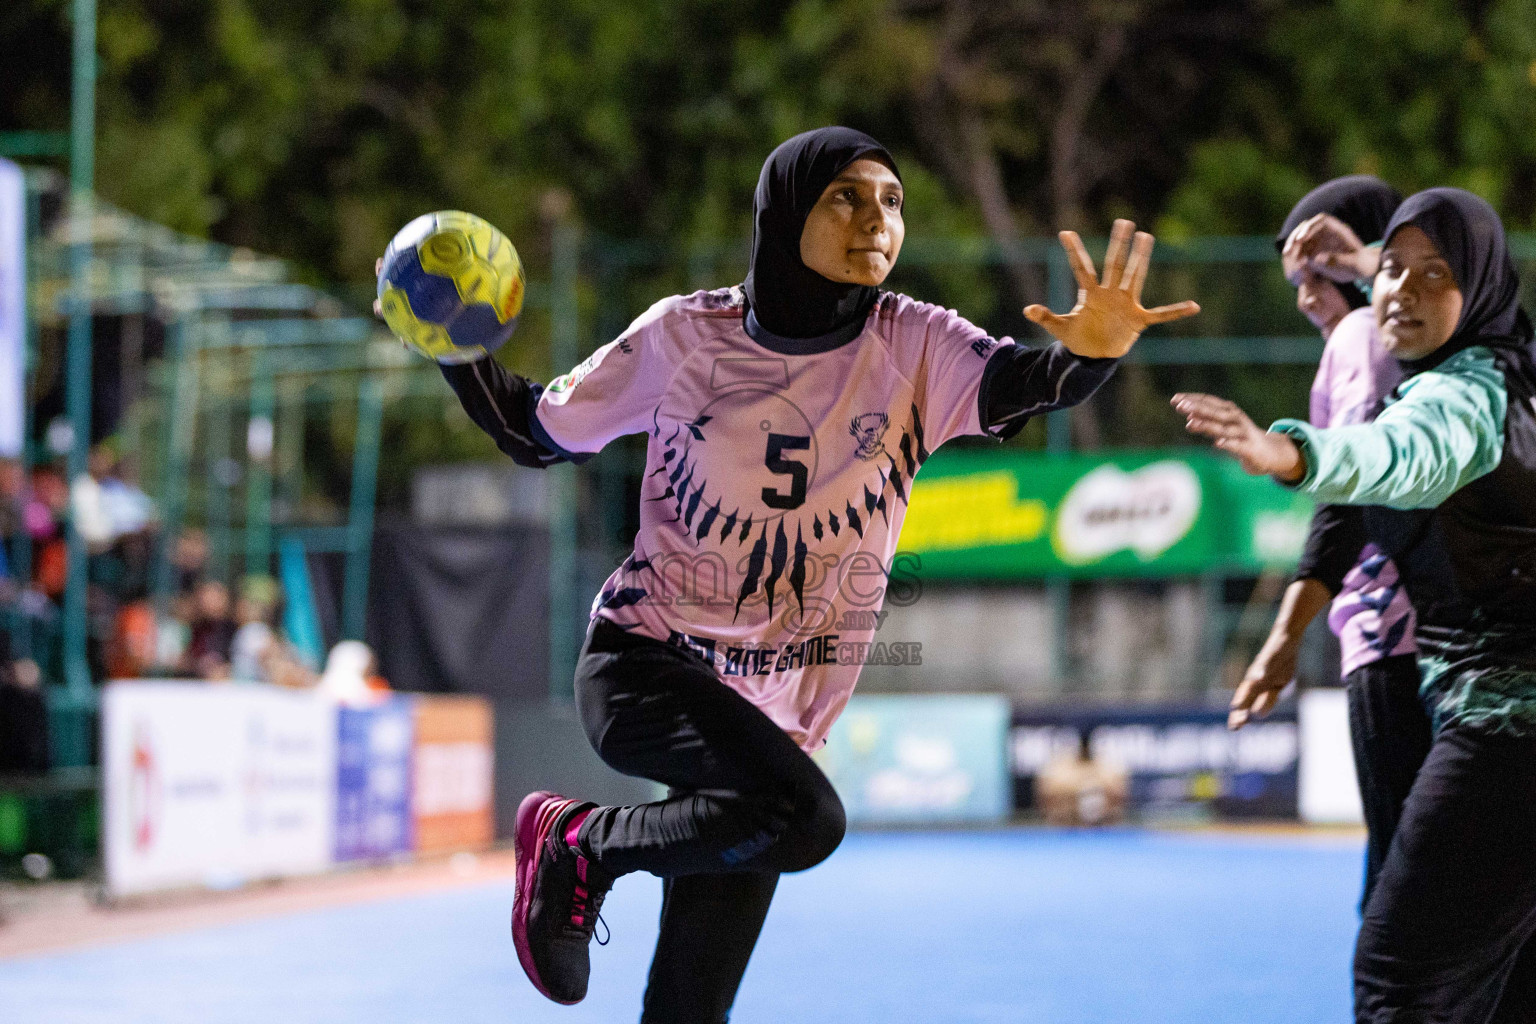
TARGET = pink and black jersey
(777,474)
(1370,613)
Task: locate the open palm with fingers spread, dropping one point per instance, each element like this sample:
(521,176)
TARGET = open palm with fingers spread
(1108,317)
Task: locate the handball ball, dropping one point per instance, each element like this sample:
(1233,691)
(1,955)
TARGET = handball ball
(451,286)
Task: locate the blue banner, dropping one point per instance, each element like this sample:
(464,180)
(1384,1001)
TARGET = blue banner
(1182,763)
(920,758)
(373,781)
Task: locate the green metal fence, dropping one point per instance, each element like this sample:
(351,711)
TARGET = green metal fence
(255,362)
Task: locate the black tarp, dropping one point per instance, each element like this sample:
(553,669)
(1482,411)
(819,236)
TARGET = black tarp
(452,609)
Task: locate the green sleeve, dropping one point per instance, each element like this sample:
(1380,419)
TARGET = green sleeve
(1445,431)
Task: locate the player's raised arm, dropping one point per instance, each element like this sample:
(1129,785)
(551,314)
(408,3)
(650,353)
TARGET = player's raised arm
(1108,317)
(1260,452)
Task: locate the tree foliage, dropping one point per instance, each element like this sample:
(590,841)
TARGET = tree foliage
(1420,92)
(314,130)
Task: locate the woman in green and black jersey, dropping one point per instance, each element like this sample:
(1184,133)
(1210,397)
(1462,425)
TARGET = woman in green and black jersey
(1447,473)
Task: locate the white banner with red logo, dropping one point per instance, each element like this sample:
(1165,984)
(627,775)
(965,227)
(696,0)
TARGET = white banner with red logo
(215,784)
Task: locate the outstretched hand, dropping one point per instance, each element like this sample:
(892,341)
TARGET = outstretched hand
(1261,453)
(1108,317)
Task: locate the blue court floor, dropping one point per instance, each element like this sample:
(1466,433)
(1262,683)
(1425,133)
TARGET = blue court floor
(947,928)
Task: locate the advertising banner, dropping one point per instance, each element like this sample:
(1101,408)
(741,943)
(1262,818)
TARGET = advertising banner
(1008,515)
(1182,763)
(453,772)
(13,306)
(373,781)
(209,784)
(1329,792)
(920,758)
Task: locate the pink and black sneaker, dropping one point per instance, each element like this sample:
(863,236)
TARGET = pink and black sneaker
(559,893)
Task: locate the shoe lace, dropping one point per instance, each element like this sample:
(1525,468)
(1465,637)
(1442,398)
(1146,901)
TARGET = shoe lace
(587,913)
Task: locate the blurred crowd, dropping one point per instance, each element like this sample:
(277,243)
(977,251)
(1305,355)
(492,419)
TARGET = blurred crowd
(192,626)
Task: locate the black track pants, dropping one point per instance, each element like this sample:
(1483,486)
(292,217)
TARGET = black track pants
(746,803)
(1455,904)
(1391,735)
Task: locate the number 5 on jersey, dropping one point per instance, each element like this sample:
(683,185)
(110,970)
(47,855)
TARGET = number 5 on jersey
(774,459)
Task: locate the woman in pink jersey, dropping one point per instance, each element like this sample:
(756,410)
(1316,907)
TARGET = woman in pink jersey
(785,421)
(1325,247)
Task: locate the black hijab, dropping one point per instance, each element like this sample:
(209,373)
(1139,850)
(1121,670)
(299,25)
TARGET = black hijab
(1363,202)
(786,297)
(1470,237)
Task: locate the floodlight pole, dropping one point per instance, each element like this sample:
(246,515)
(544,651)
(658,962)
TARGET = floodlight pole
(82,172)
(564,596)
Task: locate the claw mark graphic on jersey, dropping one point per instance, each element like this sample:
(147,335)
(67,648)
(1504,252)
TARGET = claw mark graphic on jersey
(711,515)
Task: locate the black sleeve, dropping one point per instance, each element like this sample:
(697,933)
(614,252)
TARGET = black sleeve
(502,404)
(1333,545)
(1020,382)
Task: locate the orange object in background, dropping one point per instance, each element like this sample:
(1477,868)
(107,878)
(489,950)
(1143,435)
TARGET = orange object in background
(132,647)
(453,773)
(51,569)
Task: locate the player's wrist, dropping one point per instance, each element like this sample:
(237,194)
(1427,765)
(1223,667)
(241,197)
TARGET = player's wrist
(1098,348)
(1284,459)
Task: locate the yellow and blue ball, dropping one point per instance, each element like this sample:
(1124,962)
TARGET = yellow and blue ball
(451,286)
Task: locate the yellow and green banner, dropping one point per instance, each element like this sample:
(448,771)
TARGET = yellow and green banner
(1011,515)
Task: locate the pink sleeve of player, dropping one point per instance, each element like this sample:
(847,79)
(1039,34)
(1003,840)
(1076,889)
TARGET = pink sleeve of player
(613,392)
(1318,404)
(1350,381)
(954,354)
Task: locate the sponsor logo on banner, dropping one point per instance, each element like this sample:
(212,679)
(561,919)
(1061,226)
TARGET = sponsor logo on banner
(453,774)
(1181,763)
(926,777)
(215,785)
(920,758)
(373,781)
(971,511)
(1021,515)
(143,790)
(1280,537)
(1146,511)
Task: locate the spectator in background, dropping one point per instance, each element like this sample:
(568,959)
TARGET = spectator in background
(213,631)
(86,504)
(1080,790)
(173,636)
(46,504)
(128,509)
(351,675)
(189,560)
(44,515)
(255,638)
(13,498)
(23,714)
(284,667)
(134,647)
